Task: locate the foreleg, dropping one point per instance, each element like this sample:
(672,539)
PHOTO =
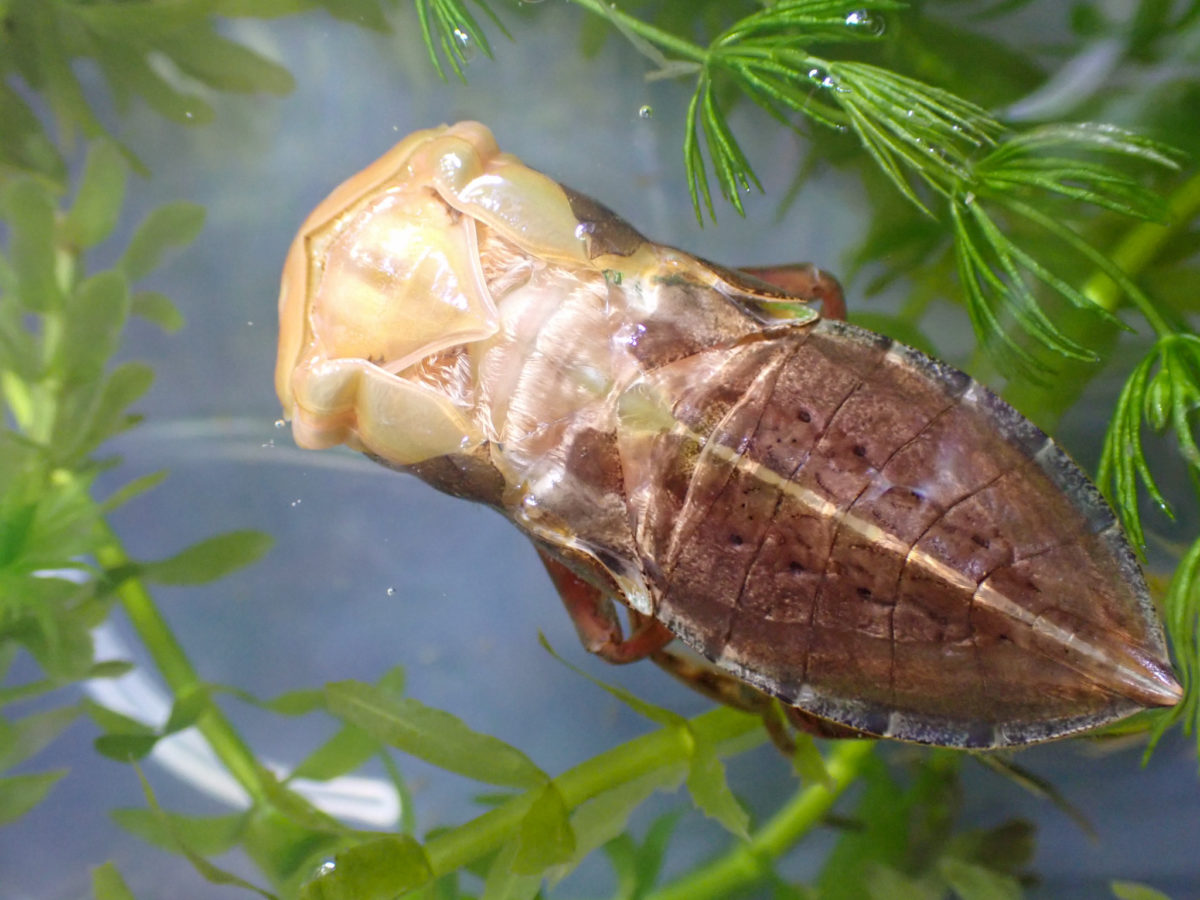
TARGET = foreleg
(596,620)
(600,632)
(807,282)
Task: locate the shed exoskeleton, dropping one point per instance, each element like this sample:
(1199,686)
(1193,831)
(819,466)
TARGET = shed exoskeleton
(833,518)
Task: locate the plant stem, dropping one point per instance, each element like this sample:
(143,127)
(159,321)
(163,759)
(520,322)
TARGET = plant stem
(672,42)
(1142,243)
(750,861)
(667,747)
(177,670)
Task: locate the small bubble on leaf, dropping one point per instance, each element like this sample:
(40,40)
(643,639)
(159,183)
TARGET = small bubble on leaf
(861,20)
(466,47)
(646,112)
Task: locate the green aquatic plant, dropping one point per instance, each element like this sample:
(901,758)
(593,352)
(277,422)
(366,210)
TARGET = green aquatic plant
(1063,240)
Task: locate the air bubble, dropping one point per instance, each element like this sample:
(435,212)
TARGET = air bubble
(863,21)
(281,423)
(646,112)
(296,502)
(583,229)
(822,79)
(466,47)
(391,592)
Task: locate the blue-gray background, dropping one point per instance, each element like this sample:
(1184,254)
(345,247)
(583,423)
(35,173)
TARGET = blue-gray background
(372,569)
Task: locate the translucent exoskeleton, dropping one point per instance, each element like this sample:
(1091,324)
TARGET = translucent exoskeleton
(832,518)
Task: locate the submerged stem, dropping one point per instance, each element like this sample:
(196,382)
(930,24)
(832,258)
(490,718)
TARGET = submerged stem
(750,861)
(1142,243)
(665,39)
(177,669)
(663,748)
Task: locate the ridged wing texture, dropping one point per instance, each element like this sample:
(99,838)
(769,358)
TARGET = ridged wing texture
(870,535)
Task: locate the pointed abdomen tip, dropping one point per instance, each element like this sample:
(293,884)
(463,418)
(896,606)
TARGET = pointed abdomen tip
(1151,683)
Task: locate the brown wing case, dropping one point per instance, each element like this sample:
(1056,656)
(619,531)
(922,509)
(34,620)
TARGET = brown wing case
(870,535)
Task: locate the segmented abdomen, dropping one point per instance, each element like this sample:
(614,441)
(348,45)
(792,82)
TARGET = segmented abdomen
(872,536)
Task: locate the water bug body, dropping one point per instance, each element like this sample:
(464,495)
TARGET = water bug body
(835,519)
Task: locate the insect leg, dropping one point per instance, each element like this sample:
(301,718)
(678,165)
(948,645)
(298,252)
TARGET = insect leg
(807,281)
(596,620)
(600,632)
(722,688)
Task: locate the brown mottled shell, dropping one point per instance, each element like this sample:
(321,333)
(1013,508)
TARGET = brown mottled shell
(870,535)
(839,520)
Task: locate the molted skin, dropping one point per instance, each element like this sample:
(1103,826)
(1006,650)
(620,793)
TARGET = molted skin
(830,516)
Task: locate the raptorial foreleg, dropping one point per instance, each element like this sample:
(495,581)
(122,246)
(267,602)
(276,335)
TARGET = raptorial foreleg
(596,620)
(806,281)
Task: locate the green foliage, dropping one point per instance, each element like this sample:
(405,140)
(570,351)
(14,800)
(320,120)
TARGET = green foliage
(1129,890)
(706,775)
(21,793)
(945,155)
(1042,231)
(208,560)
(1162,391)
(432,735)
(42,39)
(1182,606)
(449,26)
(999,274)
(376,869)
(638,864)
(59,329)
(902,842)
(107,884)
